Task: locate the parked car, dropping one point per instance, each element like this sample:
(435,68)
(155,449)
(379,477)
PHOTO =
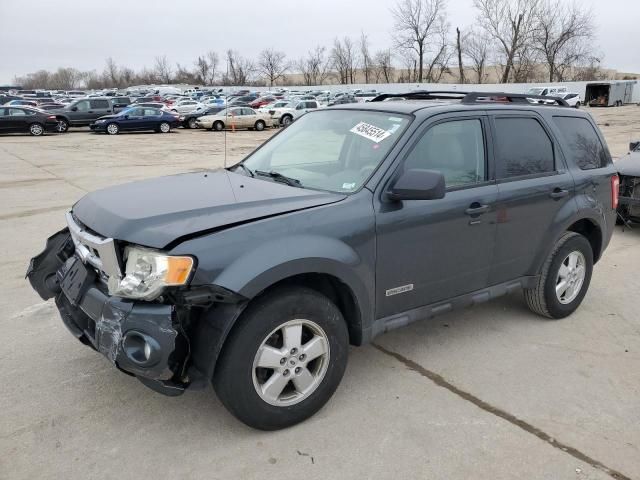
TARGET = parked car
(350,223)
(235,117)
(50,106)
(21,103)
(26,119)
(136,119)
(262,101)
(573,99)
(365,96)
(343,99)
(628,169)
(190,120)
(83,112)
(159,105)
(284,116)
(187,106)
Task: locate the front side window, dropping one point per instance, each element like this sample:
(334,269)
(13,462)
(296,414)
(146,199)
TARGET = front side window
(455,148)
(82,106)
(585,148)
(522,148)
(335,150)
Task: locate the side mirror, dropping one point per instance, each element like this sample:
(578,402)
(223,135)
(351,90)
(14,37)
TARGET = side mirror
(418,184)
(634,145)
(126,117)
(74,109)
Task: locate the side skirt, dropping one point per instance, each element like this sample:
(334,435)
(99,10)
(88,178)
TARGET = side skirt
(398,320)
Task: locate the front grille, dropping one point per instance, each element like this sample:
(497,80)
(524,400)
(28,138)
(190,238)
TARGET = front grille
(95,250)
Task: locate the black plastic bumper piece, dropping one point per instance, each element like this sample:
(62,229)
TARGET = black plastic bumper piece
(139,338)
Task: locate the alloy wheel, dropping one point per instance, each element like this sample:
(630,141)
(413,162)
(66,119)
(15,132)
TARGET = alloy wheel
(570,278)
(291,363)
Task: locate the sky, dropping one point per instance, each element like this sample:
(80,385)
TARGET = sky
(46,34)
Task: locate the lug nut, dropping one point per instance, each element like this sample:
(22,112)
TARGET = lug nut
(302,357)
(283,361)
(294,351)
(285,373)
(298,370)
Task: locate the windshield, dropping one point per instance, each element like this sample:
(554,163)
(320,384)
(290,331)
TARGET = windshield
(335,150)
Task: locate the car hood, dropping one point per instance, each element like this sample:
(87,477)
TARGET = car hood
(156,212)
(629,165)
(108,117)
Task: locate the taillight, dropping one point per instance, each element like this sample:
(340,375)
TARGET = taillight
(615,191)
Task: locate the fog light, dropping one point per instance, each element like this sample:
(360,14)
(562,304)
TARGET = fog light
(141,349)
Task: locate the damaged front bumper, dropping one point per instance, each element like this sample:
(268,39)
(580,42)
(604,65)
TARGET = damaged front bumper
(145,339)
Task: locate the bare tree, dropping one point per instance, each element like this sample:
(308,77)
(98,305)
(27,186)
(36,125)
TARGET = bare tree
(163,69)
(461,78)
(314,67)
(201,70)
(239,69)
(384,66)
(417,24)
(440,57)
(476,48)
(273,65)
(111,73)
(365,58)
(343,59)
(562,35)
(213,61)
(511,23)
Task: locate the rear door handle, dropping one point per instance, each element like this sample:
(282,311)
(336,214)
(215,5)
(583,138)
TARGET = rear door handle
(477,209)
(558,193)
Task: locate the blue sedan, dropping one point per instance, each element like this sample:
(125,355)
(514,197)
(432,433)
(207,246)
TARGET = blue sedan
(136,119)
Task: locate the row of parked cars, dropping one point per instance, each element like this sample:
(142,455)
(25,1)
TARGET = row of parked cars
(115,113)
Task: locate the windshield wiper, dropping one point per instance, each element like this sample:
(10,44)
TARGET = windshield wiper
(245,168)
(278,177)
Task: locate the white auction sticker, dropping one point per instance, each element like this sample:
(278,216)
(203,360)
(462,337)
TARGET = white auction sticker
(370,132)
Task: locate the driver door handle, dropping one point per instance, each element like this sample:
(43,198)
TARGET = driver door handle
(558,193)
(476,209)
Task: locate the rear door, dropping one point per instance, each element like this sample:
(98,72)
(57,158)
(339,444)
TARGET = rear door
(535,190)
(99,108)
(18,120)
(151,118)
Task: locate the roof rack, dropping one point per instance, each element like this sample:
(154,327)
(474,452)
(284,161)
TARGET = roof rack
(476,97)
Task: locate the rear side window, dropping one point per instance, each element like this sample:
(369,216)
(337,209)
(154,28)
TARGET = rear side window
(522,148)
(586,149)
(100,104)
(454,148)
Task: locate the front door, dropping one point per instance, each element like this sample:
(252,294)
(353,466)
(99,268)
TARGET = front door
(432,250)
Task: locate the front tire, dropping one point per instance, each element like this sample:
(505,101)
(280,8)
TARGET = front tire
(259,126)
(286,120)
(564,279)
(218,126)
(112,129)
(283,360)
(62,126)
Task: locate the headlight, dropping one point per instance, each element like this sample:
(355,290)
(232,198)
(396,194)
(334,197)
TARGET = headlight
(100,121)
(148,272)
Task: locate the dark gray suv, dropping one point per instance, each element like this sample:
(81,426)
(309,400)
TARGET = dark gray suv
(84,111)
(354,221)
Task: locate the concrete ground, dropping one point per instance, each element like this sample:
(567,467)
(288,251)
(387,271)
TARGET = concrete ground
(493,392)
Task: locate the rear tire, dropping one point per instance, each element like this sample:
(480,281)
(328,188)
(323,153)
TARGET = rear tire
(283,360)
(561,287)
(577,104)
(36,129)
(164,127)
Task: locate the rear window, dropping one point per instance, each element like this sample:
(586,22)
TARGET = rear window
(523,148)
(585,147)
